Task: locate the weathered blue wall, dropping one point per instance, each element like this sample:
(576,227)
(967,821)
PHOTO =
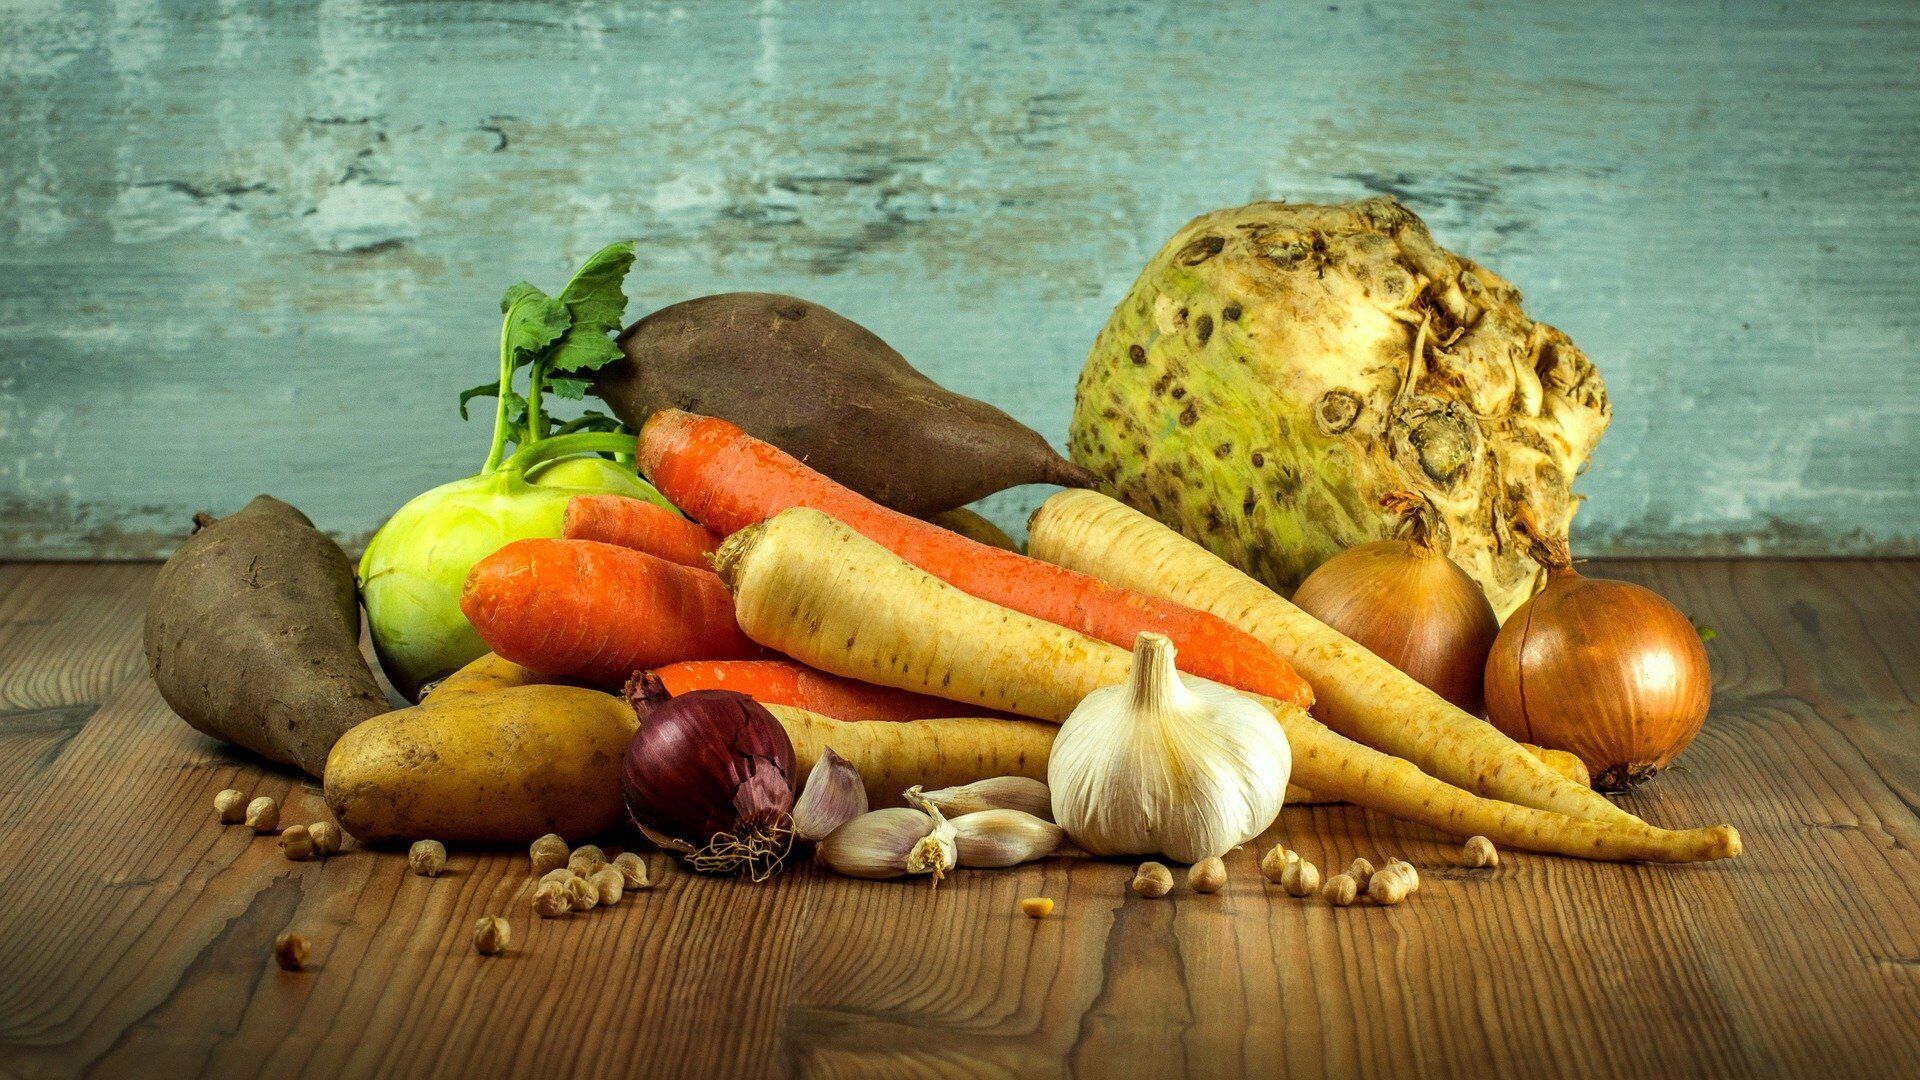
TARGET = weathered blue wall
(256,246)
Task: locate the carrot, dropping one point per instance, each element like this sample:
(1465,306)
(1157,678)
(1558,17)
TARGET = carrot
(596,612)
(727,480)
(783,682)
(640,525)
(934,753)
(818,591)
(1360,695)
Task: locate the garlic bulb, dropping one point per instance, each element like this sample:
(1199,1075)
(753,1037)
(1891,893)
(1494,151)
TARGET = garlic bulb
(1167,764)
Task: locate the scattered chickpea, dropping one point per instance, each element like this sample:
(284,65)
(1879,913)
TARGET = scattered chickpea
(1301,878)
(1275,862)
(296,843)
(633,870)
(263,815)
(1388,888)
(1362,874)
(1340,890)
(1209,875)
(608,883)
(231,805)
(427,858)
(290,951)
(1037,907)
(1404,867)
(586,859)
(558,877)
(551,899)
(1480,852)
(492,935)
(548,853)
(326,838)
(584,894)
(1152,880)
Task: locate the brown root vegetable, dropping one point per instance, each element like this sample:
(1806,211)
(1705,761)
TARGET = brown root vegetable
(253,635)
(828,391)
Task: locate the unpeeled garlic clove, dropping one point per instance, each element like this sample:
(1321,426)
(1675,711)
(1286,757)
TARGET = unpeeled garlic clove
(996,793)
(876,844)
(935,853)
(833,796)
(1004,837)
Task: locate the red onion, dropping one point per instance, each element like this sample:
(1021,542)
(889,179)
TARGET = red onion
(710,776)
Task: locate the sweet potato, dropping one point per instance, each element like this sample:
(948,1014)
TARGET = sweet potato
(831,393)
(253,635)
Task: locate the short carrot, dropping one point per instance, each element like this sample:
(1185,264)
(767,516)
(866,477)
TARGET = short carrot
(784,682)
(640,525)
(597,612)
(727,480)
(814,589)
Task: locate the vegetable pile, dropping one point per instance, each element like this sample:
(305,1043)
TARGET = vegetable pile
(784,638)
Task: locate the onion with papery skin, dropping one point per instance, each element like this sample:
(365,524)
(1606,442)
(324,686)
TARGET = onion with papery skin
(1606,669)
(1409,604)
(710,777)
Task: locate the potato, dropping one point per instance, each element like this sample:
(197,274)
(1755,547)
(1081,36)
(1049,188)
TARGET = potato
(503,766)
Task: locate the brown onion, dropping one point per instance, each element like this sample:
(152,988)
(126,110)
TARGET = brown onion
(1409,604)
(710,777)
(1606,669)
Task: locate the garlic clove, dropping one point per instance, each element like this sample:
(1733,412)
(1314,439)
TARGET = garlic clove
(833,796)
(876,844)
(935,853)
(995,793)
(1003,837)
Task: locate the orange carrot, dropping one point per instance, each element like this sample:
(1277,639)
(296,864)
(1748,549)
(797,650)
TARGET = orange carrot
(640,525)
(597,612)
(727,480)
(786,682)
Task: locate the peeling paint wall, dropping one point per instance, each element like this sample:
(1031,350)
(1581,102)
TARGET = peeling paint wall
(256,246)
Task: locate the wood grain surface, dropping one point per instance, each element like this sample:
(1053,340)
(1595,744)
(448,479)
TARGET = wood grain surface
(257,246)
(136,932)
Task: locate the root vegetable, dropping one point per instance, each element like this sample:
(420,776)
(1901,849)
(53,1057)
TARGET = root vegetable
(492,766)
(784,682)
(827,390)
(891,757)
(640,525)
(596,612)
(253,635)
(728,480)
(1358,694)
(820,592)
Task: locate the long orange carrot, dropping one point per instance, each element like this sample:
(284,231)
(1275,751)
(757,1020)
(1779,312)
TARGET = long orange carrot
(727,480)
(640,525)
(786,682)
(598,612)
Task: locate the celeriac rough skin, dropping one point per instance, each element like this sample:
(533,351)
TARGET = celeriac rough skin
(814,589)
(1355,692)
(1277,368)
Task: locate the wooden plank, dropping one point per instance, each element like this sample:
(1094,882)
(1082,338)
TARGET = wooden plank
(282,227)
(136,932)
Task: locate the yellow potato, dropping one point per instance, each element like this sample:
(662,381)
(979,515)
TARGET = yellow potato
(502,765)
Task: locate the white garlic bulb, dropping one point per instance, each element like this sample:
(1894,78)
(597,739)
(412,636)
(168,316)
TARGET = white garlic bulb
(1167,764)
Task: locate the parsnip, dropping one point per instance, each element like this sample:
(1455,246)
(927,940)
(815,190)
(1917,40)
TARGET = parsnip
(812,588)
(1356,693)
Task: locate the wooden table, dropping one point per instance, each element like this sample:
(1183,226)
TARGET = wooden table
(136,932)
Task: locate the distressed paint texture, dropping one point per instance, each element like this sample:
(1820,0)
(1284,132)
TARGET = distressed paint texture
(256,246)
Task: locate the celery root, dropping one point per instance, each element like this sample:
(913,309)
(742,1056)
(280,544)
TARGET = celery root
(812,588)
(1356,693)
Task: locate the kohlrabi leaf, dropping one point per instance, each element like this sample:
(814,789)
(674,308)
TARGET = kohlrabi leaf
(596,305)
(591,420)
(534,322)
(562,386)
